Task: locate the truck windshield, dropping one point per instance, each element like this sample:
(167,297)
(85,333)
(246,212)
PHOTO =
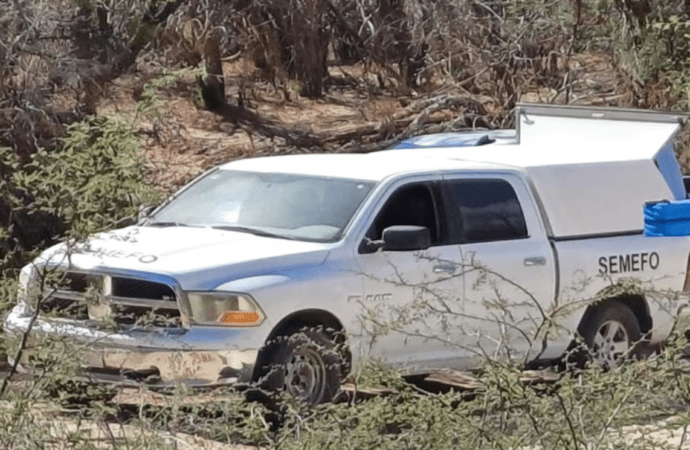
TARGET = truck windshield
(268,204)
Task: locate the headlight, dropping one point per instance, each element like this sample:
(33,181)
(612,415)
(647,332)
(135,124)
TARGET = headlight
(224,308)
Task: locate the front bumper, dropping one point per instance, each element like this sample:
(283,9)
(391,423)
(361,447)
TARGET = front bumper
(200,356)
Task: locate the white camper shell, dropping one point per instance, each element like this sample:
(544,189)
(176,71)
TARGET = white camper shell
(585,163)
(442,251)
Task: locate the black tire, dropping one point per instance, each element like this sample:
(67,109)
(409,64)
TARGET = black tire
(305,364)
(612,334)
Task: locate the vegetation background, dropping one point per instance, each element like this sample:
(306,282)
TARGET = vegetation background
(109,105)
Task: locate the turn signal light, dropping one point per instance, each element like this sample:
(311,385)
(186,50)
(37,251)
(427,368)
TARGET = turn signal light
(240,317)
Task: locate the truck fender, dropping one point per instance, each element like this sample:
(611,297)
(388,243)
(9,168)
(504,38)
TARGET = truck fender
(252,283)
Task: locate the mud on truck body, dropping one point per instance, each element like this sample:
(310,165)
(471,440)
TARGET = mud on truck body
(438,253)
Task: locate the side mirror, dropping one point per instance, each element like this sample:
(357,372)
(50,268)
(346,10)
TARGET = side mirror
(400,238)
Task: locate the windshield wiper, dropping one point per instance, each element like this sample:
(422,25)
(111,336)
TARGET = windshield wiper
(167,224)
(253,231)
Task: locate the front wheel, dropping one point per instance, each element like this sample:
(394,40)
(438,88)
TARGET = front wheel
(612,334)
(306,365)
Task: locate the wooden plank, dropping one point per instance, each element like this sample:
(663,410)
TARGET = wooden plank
(350,391)
(454,378)
(539,376)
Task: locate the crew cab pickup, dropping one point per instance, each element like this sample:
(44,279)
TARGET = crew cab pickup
(440,252)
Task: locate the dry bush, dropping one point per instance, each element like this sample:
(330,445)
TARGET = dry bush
(284,39)
(56,59)
(497,47)
(388,32)
(287,38)
(26,121)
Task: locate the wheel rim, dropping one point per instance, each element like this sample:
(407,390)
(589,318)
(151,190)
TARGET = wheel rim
(611,344)
(305,375)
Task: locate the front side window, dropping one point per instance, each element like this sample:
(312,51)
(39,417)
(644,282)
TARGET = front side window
(409,205)
(487,210)
(282,205)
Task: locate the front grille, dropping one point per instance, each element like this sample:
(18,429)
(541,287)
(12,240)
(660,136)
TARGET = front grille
(125,301)
(143,289)
(77,282)
(64,307)
(143,316)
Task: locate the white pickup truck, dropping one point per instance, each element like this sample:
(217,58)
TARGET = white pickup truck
(438,253)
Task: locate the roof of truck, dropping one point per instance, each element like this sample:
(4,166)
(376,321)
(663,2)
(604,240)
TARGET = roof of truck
(372,166)
(582,162)
(542,141)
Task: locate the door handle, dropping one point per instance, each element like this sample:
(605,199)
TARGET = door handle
(535,261)
(444,268)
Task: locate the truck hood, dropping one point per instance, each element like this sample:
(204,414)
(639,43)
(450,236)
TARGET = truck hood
(198,258)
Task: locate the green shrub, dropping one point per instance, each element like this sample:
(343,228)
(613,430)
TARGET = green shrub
(94,182)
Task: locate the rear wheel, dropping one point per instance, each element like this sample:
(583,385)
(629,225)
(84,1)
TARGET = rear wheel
(612,334)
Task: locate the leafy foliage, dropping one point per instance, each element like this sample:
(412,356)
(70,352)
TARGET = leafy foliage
(94,182)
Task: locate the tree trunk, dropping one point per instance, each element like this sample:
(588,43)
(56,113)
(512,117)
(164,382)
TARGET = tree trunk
(213,87)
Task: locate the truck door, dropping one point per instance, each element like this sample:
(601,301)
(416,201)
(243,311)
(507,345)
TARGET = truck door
(508,264)
(404,290)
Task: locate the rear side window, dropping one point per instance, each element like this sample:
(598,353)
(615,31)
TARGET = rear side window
(485,210)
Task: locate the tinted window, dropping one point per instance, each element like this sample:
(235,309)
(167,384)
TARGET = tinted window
(409,205)
(488,210)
